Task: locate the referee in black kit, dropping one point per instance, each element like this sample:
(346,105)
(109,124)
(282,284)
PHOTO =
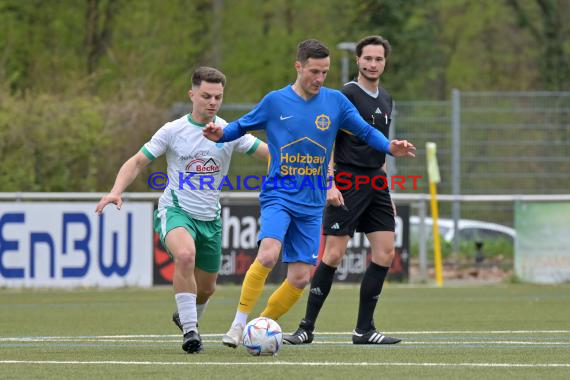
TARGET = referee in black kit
(365,209)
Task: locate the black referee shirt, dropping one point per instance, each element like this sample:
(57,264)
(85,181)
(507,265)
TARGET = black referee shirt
(349,149)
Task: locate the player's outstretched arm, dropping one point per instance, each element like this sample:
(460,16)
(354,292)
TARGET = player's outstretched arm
(212,132)
(127,174)
(262,152)
(402,148)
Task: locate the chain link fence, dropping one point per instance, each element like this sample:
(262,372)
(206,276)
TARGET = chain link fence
(510,143)
(488,143)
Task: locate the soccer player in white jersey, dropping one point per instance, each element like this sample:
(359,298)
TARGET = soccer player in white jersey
(188,214)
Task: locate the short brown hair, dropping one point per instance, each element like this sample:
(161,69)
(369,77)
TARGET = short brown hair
(373,40)
(207,74)
(311,49)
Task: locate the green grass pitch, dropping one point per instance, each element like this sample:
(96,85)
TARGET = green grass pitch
(502,331)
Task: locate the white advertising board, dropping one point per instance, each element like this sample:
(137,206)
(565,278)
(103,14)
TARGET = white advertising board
(65,244)
(542,249)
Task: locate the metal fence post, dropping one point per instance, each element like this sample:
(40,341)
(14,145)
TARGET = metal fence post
(348,48)
(456,163)
(422,240)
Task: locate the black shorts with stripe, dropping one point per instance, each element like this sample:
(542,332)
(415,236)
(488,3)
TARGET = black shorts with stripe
(368,206)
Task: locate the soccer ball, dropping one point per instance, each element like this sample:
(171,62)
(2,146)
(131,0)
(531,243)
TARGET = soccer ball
(262,336)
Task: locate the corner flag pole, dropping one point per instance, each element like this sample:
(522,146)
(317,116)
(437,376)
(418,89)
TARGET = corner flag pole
(434,179)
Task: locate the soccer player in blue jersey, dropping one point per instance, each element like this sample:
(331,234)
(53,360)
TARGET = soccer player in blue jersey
(301,121)
(368,209)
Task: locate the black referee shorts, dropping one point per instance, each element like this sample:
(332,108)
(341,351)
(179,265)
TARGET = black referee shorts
(368,209)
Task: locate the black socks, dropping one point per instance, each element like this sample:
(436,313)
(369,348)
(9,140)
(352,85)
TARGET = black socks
(370,290)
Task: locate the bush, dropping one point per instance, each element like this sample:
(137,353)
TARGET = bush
(55,143)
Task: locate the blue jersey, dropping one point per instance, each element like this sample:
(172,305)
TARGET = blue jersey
(300,136)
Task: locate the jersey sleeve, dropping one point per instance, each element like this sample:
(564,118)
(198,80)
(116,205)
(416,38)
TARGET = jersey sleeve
(158,144)
(253,120)
(345,90)
(355,124)
(247,144)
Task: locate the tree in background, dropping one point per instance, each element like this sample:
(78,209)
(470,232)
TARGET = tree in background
(99,18)
(126,62)
(543,20)
(471,45)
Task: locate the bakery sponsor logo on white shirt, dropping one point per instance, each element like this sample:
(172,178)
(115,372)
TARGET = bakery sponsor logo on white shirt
(203,166)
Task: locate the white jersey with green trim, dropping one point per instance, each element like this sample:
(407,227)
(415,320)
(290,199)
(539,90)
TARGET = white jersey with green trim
(196,166)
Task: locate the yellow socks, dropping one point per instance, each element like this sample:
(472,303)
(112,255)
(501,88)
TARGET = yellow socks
(252,286)
(281,300)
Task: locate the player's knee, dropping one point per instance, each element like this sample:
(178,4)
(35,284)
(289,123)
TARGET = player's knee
(185,258)
(299,276)
(333,257)
(267,259)
(205,292)
(384,256)
(299,280)
(268,254)
(389,253)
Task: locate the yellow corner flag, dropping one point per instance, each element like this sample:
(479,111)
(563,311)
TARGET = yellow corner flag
(434,179)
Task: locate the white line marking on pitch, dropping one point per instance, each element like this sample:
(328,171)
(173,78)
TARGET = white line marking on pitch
(33,338)
(407,342)
(279,363)
(478,332)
